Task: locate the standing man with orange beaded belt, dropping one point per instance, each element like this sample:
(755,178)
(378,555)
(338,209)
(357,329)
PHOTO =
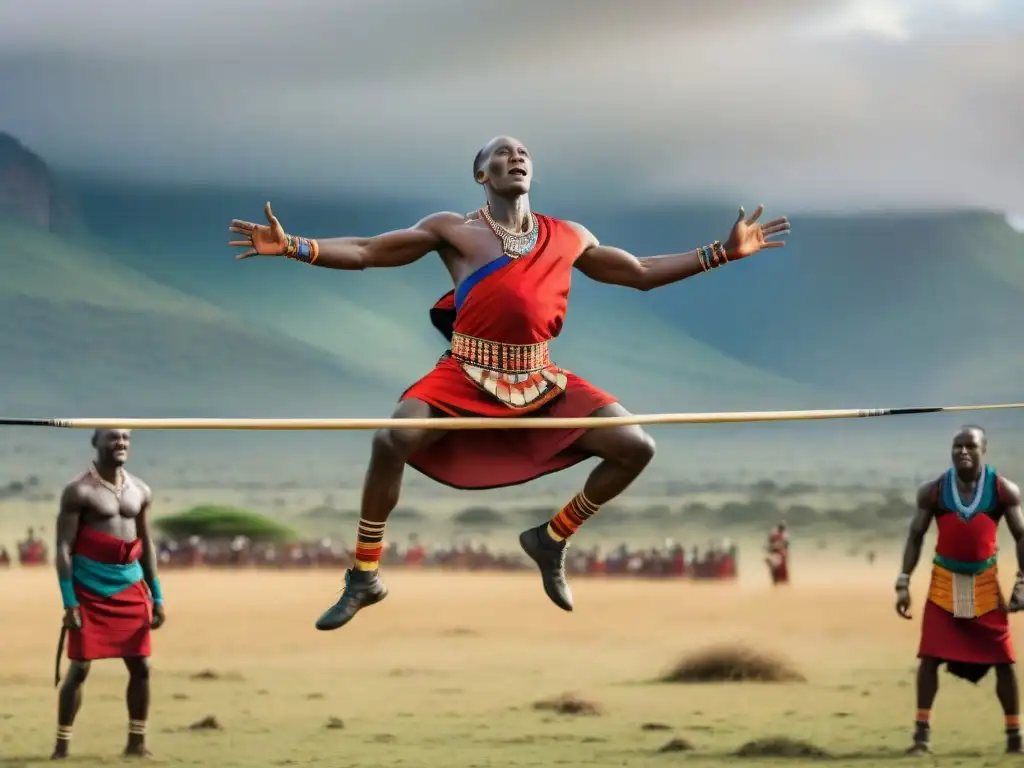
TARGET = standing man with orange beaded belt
(966,620)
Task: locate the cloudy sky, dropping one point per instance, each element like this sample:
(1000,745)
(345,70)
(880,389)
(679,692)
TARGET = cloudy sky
(807,104)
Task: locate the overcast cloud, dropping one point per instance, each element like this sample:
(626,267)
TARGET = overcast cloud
(804,104)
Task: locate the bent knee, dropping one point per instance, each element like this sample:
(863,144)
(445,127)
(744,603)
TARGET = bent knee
(396,445)
(639,450)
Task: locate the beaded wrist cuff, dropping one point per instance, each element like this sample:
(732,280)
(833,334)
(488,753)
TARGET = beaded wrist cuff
(711,256)
(301,249)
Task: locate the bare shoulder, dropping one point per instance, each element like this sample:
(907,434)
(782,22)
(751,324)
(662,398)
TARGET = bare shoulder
(441,223)
(77,490)
(141,485)
(1009,492)
(926,495)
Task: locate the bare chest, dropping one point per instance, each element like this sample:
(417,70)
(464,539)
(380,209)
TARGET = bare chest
(106,507)
(470,247)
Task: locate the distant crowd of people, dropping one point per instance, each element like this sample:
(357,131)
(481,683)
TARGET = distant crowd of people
(671,559)
(718,560)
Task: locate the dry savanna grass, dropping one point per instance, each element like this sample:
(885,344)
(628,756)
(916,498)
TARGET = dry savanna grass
(732,664)
(480,670)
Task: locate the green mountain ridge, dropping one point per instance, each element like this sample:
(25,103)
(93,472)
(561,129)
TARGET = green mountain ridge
(84,332)
(43,265)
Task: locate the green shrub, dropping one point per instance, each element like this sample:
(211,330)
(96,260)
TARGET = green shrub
(212,521)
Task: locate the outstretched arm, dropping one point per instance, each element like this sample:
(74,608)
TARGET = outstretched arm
(391,249)
(615,266)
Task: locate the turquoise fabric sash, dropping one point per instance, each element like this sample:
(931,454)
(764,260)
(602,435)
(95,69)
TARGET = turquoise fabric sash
(964,567)
(105,579)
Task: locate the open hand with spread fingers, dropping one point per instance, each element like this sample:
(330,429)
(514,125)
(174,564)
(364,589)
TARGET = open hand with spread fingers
(260,240)
(748,236)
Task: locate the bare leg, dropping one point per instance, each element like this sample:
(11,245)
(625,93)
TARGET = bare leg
(927,689)
(391,448)
(69,701)
(381,490)
(625,452)
(1009,699)
(137,697)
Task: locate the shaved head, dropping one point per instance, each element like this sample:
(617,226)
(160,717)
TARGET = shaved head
(485,151)
(504,166)
(111,446)
(478,161)
(98,434)
(978,432)
(969,447)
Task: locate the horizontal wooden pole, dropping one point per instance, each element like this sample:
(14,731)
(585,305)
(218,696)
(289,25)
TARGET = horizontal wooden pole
(512,422)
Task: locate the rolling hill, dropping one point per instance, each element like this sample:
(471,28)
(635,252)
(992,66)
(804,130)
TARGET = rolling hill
(84,335)
(922,309)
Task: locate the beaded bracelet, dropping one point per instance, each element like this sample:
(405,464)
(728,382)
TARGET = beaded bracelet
(301,249)
(705,258)
(711,256)
(719,251)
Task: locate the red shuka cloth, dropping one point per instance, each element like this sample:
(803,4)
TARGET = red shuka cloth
(114,627)
(985,640)
(778,559)
(523,302)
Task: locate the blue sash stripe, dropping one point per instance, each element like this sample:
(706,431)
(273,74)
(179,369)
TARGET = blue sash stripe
(105,579)
(467,285)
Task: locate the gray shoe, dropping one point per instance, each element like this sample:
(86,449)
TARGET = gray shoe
(549,555)
(362,588)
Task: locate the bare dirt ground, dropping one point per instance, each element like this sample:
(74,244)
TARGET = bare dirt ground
(446,672)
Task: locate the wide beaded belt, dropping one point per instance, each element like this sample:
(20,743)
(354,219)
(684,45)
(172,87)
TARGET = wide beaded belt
(966,590)
(495,356)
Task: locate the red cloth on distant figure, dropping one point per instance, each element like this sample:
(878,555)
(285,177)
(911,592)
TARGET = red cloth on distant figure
(117,626)
(522,302)
(778,557)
